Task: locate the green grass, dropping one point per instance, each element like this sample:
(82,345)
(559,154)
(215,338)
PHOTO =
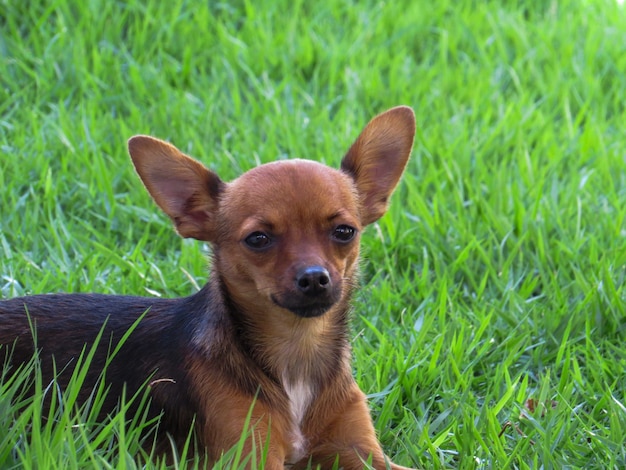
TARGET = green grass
(497,276)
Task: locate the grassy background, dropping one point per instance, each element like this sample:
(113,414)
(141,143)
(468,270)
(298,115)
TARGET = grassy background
(493,290)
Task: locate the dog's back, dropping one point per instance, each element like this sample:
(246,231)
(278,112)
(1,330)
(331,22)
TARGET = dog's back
(62,328)
(176,349)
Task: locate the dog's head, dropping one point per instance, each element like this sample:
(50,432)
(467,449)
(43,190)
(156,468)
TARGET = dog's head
(285,234)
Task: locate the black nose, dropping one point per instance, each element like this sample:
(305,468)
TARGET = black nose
(313,280)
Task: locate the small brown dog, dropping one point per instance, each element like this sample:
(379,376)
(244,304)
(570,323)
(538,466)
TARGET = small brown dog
(268,334)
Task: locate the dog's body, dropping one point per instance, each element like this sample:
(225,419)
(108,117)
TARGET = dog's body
(268,334)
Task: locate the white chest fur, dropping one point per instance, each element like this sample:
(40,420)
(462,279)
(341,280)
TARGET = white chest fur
(300,394)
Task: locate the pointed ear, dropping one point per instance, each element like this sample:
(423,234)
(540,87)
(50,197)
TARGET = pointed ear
(182,187)
(377,159)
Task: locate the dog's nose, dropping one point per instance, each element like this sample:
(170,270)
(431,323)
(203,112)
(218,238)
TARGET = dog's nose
(313,280)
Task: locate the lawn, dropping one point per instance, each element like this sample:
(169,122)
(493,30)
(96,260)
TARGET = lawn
(490,330)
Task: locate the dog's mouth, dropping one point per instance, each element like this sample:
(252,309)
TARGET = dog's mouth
(305,308)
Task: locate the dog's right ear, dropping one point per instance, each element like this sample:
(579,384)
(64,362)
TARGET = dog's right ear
(182,187)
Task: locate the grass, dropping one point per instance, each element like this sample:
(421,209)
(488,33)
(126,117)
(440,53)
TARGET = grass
(490,331)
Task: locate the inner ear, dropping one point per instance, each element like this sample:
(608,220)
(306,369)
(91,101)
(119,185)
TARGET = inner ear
(182,187)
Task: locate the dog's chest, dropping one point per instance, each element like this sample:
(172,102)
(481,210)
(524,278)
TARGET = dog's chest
(300,394)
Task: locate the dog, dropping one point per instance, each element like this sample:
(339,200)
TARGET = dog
(266,341)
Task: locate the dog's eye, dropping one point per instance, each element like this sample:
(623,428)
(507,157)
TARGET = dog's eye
(258,240)
(344,233)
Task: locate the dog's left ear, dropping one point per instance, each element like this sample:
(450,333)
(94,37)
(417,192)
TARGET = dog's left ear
(378,157)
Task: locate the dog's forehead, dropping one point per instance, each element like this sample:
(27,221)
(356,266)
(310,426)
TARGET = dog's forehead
(290,168)
(293,178)
(294,183)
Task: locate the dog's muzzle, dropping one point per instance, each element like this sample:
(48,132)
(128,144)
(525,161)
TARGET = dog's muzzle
(313,293)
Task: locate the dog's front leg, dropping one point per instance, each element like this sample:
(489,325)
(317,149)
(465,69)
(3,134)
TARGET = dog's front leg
(350,438)
(238,419)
